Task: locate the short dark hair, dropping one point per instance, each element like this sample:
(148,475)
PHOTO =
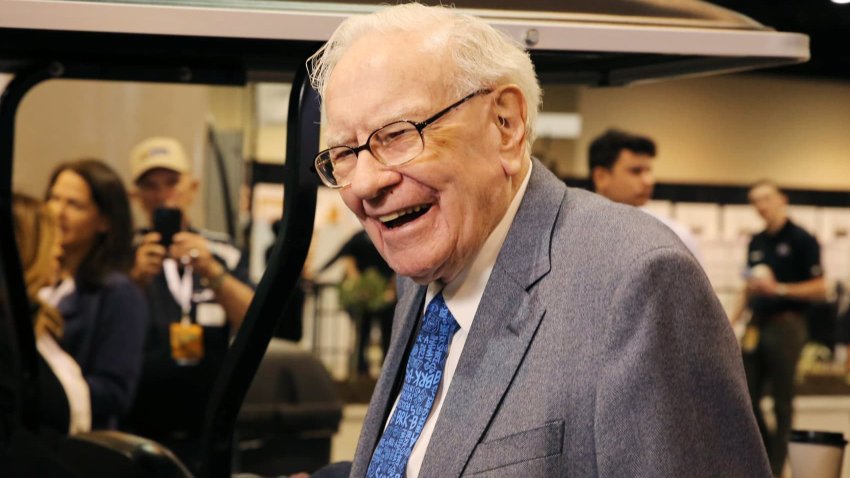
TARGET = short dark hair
(113,250)
(605,149)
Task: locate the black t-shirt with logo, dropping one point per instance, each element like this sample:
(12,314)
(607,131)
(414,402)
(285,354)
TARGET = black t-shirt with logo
(793,255)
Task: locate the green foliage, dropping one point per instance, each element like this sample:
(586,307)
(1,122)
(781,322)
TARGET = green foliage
(367,293)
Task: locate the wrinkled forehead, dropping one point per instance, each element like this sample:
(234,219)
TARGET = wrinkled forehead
(383,78)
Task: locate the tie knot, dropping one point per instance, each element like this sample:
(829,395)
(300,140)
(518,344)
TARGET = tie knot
(438,318)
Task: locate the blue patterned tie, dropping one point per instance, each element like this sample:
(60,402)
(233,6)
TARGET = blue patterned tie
(421,380)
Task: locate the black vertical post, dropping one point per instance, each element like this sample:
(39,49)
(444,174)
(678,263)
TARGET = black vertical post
(21,339)
(275,287)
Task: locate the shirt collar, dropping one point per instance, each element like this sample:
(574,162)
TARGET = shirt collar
(464,293)
(61,296)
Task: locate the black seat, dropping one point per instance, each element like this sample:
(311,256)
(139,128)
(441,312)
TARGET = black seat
(289,415)
(109,454)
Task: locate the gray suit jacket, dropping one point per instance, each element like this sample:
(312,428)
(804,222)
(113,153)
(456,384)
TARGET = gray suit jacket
(599,349)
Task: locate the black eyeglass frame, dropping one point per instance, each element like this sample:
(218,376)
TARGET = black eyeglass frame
(421,125)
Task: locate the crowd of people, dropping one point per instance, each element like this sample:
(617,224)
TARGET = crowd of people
(131,326)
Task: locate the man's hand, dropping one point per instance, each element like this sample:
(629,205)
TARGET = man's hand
(230,293)
(193,249)
(762,282)
(763,286)
(149,256)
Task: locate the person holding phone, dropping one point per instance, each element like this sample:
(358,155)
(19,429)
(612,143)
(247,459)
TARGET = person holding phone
(198,290)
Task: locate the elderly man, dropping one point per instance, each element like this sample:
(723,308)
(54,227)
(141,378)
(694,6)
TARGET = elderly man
(540,330)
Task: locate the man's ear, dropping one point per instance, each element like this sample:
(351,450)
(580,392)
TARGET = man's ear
(195,185)
(600,175)
(509,116)
(190,189)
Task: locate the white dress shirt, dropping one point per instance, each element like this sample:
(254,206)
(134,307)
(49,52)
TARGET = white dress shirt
(462,297)
(73,383)
(64,366)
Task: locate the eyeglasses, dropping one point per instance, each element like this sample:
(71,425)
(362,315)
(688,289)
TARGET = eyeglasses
(393,145)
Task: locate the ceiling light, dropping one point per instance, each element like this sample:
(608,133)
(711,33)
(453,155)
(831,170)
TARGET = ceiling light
(841,1)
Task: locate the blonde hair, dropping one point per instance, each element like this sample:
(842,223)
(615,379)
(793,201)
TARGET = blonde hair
(35,234)
(483,56)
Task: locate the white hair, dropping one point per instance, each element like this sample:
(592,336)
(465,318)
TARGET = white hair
(484,57)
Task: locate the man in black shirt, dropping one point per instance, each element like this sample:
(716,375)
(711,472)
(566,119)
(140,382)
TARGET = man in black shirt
(784,277)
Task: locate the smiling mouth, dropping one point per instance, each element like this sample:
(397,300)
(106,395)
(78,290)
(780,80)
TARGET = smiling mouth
(399,218)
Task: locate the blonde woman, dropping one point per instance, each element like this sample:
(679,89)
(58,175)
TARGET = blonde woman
(64,394)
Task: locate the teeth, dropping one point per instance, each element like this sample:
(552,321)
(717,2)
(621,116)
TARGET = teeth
(395,215)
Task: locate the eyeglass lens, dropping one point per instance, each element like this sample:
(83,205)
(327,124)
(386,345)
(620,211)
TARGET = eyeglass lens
(393,145)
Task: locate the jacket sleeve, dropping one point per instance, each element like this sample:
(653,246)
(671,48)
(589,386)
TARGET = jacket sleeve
(117,352)
(672,399)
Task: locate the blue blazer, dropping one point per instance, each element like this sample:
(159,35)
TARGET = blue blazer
(105,333)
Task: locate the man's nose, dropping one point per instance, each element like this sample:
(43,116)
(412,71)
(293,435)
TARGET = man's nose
(649,179)
(370,177)
(165,197)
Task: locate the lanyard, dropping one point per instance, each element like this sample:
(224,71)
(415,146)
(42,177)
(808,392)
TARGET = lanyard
(180,286)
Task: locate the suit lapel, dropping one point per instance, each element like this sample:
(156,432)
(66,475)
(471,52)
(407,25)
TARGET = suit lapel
(404,324)
(504,326)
